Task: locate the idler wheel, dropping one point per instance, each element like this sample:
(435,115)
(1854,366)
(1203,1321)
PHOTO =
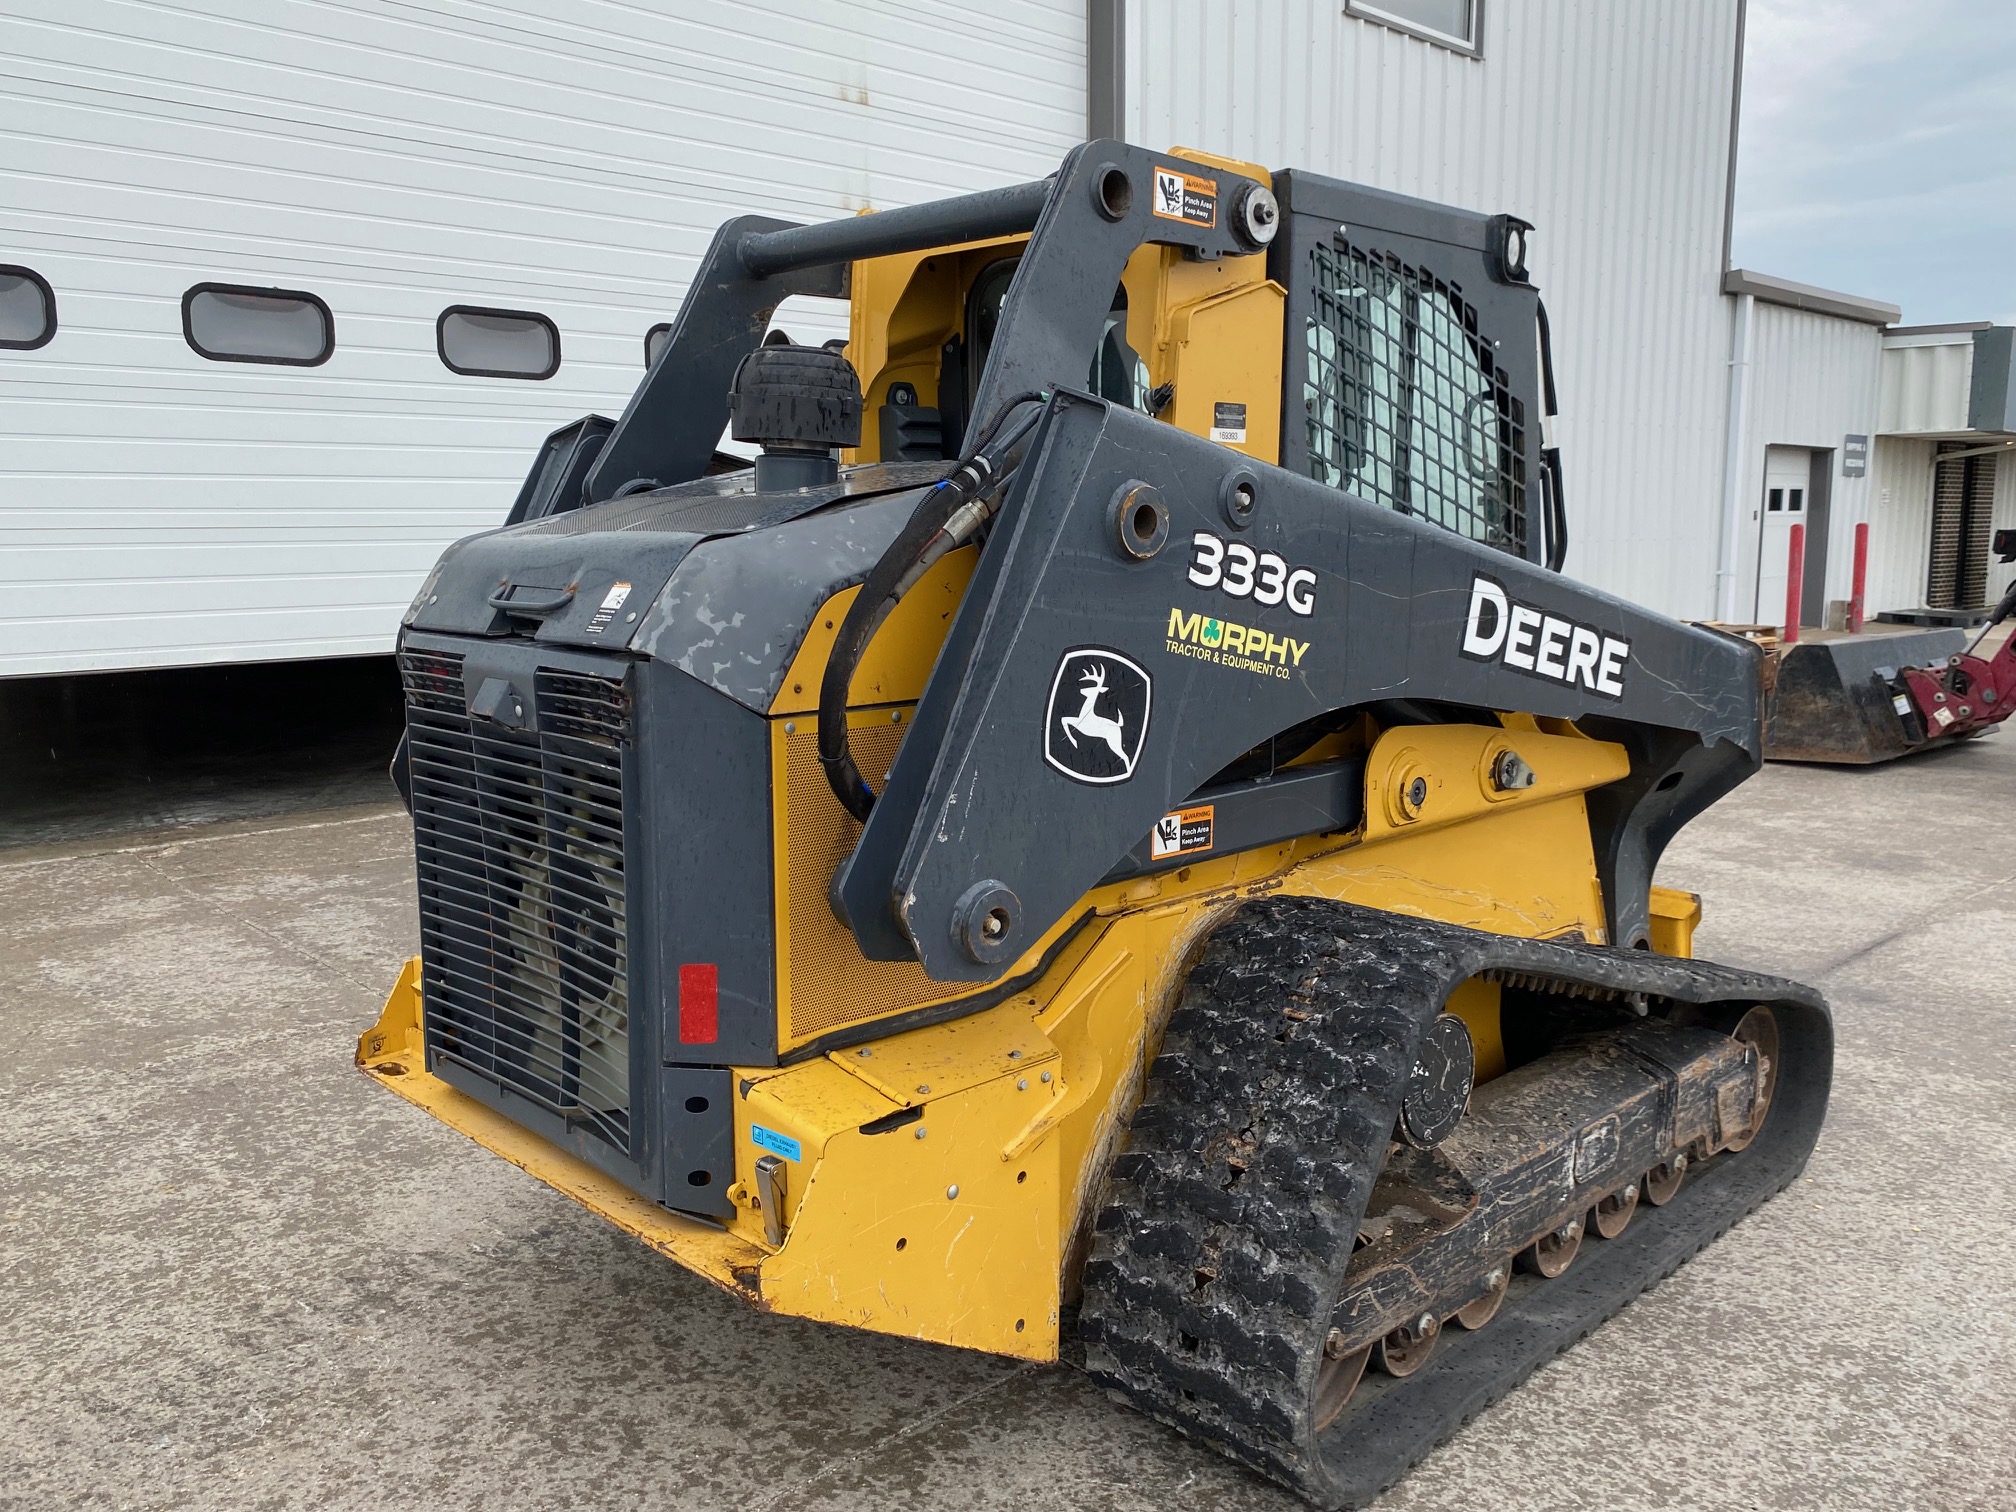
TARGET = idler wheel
(1407,1348)
(1551,1254)
(1481,1310)
(1612,1215)
(1759,1030)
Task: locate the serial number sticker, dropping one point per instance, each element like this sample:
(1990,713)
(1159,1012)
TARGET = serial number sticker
(1180,833)
(1901,704)
(611,602)
(775,1143)
(1187,197)
(1228,423)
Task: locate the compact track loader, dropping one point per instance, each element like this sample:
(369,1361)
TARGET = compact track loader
(1113,822)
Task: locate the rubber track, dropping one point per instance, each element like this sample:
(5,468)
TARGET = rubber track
(1222,1247)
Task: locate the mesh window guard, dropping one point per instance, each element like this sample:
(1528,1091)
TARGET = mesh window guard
(1405,403)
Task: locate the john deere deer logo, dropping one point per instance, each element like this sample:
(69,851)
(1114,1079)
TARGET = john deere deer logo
(1089,722)
(1098,716)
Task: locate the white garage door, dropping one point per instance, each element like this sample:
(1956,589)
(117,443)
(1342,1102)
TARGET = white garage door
(394,160)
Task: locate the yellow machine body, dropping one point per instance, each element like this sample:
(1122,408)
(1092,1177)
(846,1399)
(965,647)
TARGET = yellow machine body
(964,1225)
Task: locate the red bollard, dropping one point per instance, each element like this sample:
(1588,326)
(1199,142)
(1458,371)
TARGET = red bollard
(1795,575)
(1855,594)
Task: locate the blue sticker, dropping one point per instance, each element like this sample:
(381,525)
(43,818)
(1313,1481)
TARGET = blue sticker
(776,1143)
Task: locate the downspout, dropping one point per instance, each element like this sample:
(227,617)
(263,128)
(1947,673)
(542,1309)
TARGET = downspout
(1735,428)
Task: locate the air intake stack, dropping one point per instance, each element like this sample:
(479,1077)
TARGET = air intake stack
(800,404)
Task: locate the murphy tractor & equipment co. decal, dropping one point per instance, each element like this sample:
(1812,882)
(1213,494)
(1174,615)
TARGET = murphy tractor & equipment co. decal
(1528,639)
(1098,715)
(1224,644)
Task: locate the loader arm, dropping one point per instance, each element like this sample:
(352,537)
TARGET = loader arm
(996,811)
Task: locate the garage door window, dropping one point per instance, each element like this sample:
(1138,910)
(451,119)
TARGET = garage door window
(231,323)
(498,343)
(27,309)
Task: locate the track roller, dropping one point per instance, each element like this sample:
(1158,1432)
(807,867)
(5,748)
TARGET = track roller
(1612,1215)
(1662,1183)
(1481,1310)
(1407,1348)
(1551,1254)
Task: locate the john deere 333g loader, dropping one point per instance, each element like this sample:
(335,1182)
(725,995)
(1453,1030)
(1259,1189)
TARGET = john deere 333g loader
(1113,821)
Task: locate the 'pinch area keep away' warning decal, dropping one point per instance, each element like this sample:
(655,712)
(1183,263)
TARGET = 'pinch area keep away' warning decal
(1181,196)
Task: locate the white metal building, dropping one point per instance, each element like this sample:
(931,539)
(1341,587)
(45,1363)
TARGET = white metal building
(441,228)
(396,160)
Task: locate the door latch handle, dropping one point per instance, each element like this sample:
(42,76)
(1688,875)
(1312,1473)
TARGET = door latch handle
(536,602)
(770,1196)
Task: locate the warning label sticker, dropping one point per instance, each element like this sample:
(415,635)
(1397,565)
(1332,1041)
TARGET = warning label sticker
(1180,833)
(1228,423)
(1184,196)
(611,602)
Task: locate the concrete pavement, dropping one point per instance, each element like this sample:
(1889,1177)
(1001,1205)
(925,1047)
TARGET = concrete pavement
(234,1274)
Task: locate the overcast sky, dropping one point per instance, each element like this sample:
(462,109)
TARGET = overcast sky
(1878,152)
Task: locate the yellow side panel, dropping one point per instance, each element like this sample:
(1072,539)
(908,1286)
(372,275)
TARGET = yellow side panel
(1227,350)
(912,1069)
(824,983)
(898,660)
(1529,871)
(823,980)
(927,1230)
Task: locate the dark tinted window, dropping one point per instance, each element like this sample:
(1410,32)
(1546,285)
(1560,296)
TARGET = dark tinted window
(498,343)
(231,323)
(27,309)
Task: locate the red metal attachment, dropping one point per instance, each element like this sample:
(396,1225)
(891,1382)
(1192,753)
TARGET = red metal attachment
(1966,694)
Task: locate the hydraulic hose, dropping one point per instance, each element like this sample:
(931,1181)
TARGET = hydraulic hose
(1550,454)
(945,518)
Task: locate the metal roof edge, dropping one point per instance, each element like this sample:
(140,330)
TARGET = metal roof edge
(1798,296)
(1951,327)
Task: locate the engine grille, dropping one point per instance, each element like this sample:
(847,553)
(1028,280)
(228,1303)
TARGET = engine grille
(1405,403)
(523,931)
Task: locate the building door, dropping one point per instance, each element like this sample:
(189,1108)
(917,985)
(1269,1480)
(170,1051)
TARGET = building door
(1788,473)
